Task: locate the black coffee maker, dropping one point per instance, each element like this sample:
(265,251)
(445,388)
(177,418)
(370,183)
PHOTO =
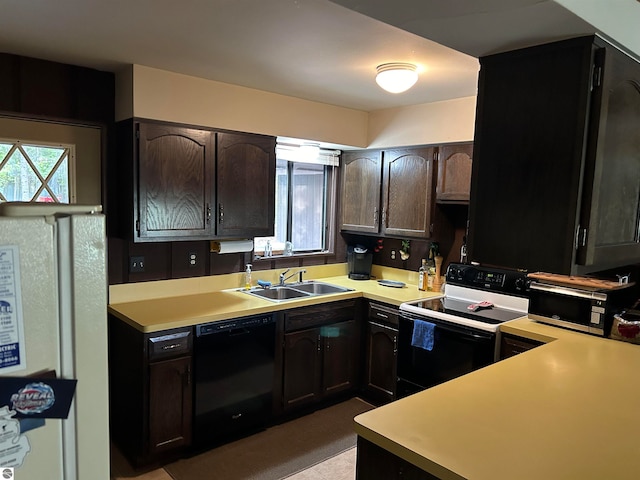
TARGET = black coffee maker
(359,260)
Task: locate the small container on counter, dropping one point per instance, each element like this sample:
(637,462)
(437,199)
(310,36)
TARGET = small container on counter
(626,326)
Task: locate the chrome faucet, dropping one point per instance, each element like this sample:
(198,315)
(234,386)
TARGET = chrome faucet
(284,277)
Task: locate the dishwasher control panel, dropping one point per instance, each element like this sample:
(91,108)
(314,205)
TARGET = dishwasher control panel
(226,325)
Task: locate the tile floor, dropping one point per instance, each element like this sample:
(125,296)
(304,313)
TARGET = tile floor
(340,467)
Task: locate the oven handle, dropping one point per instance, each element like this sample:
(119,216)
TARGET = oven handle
(477,335)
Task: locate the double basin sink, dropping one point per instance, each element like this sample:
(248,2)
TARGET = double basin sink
(293,291)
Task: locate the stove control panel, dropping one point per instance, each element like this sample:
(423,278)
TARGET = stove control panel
(511,282)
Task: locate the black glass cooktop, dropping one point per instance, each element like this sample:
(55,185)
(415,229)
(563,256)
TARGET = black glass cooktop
(492,315)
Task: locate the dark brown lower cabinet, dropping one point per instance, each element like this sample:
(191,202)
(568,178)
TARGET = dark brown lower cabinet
(338,360)
(511,345)
(170,404)
(151,391)
(302,367)
(320,353)
(376,463)
(381,350)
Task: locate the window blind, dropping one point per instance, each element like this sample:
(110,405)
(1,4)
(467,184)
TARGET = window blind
(308,154)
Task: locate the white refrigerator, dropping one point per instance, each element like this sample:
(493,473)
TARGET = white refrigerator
(53,316)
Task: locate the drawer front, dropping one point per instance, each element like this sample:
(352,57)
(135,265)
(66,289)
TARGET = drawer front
(170,344)
(383,314)
(308,317)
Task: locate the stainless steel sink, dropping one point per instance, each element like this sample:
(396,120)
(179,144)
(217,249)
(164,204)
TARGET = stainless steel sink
(280,293)
(319,288)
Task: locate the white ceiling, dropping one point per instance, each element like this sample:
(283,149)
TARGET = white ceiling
(312,49)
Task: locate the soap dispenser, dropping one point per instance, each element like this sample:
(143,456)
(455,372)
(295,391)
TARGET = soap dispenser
(247,277)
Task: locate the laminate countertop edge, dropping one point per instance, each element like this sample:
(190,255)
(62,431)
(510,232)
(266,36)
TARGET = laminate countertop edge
(562,410)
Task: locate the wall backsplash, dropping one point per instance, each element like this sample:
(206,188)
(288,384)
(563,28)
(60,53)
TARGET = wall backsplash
(449,230)
(171,260)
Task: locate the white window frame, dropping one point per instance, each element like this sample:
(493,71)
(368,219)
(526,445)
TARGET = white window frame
(19,144)
(313,155)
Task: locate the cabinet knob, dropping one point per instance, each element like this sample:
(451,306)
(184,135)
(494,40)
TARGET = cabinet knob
(220,213)
(375,216)
(208,213)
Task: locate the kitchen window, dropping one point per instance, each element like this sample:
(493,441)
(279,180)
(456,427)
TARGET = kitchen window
(305,202)
(31,172)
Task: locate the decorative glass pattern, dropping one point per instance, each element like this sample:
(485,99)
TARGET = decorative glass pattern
(35,173)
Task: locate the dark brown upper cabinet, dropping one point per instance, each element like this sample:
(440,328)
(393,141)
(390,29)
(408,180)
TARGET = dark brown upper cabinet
(246,169)
(556,168)
(361,181)
(407,192)
(388,192)
(174,182)
(454,173)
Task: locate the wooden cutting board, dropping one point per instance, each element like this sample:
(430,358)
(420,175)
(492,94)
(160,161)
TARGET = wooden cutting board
(588,282)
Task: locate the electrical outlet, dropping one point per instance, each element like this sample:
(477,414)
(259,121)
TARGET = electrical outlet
(136,264)
(193,259)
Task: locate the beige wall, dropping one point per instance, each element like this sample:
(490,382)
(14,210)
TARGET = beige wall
(151,93)
(429,123)
(180,98)
(88,150)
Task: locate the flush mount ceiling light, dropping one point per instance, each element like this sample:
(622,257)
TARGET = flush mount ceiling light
(396,77)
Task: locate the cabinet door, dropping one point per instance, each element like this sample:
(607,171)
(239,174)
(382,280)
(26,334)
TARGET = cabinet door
(339,362)
(170,404)
(381,361)
(511,345)
(454,173)
(246,169)
(407,192)
(361,175)
(528,162)
(612,232)
(302,367)
(174,170)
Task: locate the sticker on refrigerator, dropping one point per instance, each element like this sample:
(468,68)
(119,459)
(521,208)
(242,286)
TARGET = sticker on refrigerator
(11,325)
(13,446)
(37,398)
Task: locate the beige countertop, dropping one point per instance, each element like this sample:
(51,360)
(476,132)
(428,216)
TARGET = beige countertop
(565,410)
(157,314)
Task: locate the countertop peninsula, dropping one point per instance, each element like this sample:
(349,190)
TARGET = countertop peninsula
(564,410)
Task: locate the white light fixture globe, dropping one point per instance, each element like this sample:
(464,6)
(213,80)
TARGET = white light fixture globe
(396,77)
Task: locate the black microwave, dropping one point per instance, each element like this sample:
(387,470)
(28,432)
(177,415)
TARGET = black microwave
(585,310)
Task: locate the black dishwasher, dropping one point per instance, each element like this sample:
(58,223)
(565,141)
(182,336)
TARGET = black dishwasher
(234,377)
